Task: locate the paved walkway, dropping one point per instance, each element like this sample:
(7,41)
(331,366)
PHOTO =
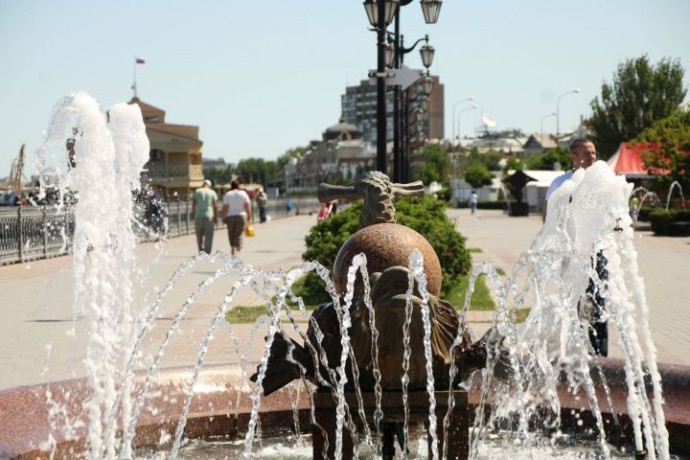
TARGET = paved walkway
(36,305)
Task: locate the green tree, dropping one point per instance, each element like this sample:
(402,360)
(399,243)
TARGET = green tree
(546,161)
(284,159)
(640,94)
(667,144)
(259,171)
(513,164)
(477,175)
(436,166)
(425,215)
(492,160)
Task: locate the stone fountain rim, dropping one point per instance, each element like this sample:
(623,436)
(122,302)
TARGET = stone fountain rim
(25,427)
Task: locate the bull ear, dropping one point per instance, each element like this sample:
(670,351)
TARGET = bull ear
(411,189)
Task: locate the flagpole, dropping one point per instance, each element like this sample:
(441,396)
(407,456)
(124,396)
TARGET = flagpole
(134,84)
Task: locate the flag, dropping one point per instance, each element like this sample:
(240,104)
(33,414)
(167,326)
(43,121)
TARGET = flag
(489,121)
(140,61)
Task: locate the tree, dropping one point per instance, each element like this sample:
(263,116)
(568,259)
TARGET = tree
(477,175)
(639,95)
(548,160)
(513,164)
(667,147)
(436,166)
(284,159)
(257,170)
(492,160)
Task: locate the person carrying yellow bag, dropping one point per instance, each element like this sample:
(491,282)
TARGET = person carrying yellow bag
(237,215)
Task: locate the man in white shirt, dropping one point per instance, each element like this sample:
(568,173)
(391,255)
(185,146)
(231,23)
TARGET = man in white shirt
(583,153)
(237,211)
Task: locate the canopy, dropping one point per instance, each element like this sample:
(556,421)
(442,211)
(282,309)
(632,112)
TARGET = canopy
(627,161)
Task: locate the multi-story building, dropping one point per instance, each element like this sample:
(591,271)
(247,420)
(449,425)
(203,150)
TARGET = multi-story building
(341,154)
(359,109)
(174,166)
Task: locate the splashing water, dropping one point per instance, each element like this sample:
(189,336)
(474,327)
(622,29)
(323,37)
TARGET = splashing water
(673,185)
(587,215)
(110,150)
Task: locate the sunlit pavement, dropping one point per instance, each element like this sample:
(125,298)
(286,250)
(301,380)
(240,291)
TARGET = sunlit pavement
(36,306)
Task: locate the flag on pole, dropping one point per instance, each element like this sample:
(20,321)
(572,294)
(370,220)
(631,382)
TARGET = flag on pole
(140,61)
(489,121)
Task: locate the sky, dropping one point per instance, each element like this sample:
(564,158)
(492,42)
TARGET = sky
(261,77)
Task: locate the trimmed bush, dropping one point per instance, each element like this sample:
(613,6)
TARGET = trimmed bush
(425,215)
(663,222)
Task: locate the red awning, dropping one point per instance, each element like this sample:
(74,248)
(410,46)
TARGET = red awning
(627,161)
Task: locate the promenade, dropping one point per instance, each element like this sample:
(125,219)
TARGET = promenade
(37,321)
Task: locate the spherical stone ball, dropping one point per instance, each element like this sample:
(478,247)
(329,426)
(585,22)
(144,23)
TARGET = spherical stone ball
(387,245)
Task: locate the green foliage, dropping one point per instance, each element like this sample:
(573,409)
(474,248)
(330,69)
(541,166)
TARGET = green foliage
(547,160)
(663,221)
(425,215)
(640,94)
(436,165)
(671,137)
(477,175)
(217,176)
(492,161)
(514,164)
(259,171)
(289,154)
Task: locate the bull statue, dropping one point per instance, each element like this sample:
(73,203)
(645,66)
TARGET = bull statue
(387,247)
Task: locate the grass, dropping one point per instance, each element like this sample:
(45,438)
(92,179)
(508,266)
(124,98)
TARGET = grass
(481,300)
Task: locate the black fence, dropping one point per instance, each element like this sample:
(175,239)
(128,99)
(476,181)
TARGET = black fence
(38,232)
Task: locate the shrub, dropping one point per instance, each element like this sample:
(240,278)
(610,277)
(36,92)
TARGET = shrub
(425,215)
(663,221)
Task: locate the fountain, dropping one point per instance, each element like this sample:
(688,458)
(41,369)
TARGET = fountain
(533,382)
(670,192)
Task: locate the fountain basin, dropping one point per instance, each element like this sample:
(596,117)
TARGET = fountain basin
(222,406)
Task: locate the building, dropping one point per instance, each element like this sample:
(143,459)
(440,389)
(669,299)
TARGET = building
(175,163)
(341,154)
(538,144)
(358,106)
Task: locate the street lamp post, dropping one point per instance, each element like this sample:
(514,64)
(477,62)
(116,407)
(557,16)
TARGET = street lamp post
(469,99)
(552,114)
(380,14)
(474,107)
(558,109)
(430,10)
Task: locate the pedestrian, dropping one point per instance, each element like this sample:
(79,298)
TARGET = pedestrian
(634,209)
(474,199)
(262,202)
(237,212)
(583,154)
(156,214)
(205,212)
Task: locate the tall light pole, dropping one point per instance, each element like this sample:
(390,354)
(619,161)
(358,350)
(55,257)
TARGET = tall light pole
(430,10)
(469,99)
(474,107)
(558,109)
(380,14)
(552,114)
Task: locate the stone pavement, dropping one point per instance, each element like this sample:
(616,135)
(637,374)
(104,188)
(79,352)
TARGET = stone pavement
(36,308)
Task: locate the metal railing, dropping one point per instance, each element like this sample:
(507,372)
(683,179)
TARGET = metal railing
(39,232)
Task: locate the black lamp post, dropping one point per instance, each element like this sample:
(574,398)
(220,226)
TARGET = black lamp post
(430,10)
(380,14)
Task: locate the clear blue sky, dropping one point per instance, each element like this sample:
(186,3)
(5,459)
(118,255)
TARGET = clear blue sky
(260,77)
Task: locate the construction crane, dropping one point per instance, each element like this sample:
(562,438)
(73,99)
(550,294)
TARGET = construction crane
(17,172)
